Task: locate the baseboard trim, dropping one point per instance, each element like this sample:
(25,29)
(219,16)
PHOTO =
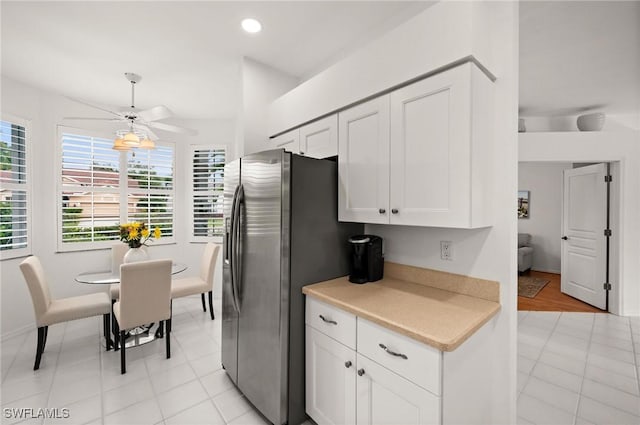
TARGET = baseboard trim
(16,332)
(546,271)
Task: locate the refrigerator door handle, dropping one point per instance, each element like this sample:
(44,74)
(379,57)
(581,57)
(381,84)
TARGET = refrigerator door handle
(236,264)
(232,243)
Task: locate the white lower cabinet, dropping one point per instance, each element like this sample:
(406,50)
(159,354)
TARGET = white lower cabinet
(343,386)
(330,380)
(386,398)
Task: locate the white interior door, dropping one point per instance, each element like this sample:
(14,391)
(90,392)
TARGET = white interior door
(584,219)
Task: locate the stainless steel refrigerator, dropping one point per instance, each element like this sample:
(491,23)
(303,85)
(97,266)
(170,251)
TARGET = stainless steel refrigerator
(281,233)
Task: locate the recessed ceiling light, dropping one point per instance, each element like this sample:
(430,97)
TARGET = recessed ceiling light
(251,25)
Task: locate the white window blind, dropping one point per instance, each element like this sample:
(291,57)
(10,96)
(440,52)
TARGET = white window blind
(150,188)
(207,191)
(90,190)
(14,189)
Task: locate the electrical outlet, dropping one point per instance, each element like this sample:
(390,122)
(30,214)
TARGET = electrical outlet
(446,250)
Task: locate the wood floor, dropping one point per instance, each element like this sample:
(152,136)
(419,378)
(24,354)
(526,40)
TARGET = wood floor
(551,299)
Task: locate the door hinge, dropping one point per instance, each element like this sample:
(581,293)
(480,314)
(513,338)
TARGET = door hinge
(608,179)
(607,232)
(607,286)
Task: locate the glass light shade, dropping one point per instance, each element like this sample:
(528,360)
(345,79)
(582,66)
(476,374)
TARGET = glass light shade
(147,144)
(130,139)
(119,145)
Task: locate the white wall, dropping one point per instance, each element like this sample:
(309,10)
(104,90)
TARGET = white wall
(612,122)
(45,111)
(543,180)
(261,84)
(488,253)
(622,146)
(444,33)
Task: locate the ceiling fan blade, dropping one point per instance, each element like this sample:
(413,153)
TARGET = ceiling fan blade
(147,130)
(156,113)
(93,119)
(98,107)
(172,128)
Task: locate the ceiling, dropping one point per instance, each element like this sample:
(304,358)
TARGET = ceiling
(188,53)
(577,56)
(574,55)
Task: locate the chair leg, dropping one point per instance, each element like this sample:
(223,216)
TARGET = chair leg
(46,334)
(213,316)
(116,334)
(160,330)
(204,308)
(114,330)
(167,337)
(39,347)
(106,324)
(123,366)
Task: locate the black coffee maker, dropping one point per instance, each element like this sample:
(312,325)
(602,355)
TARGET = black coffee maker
(367,261)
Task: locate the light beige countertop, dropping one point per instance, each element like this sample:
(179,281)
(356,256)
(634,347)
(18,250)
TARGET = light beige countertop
(409,300)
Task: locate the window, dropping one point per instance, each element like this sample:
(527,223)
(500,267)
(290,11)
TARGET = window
(101,188)
(15,191)
(150,189)
(90,198)
(207,192)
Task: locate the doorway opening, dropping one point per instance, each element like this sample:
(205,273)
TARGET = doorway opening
(567,239)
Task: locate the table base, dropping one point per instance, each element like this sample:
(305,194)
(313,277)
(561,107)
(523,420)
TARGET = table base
(141,335)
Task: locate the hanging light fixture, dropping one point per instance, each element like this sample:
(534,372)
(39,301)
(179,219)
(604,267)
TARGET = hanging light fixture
(118,145)
(132,138)
(147,143)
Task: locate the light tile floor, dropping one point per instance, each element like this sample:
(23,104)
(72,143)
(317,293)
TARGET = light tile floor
(573,368)
(578,368)
(76,372)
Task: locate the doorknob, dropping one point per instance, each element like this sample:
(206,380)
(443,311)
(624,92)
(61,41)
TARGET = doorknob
(564,238)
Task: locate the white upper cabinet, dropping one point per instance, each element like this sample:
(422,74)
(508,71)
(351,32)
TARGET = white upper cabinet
(437,162)
(289,141)
(318,139)
(363,162)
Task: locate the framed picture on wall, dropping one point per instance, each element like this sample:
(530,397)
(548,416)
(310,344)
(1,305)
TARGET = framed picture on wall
(523,204)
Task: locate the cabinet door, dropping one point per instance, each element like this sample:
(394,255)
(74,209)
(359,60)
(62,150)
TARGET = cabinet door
(430,153)
(289,141)
(330,380)
(320,138)
(363,162)
(386,398)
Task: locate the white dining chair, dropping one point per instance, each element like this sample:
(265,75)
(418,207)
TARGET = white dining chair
(50,311)
(118,250)
(145,297)
(201,284)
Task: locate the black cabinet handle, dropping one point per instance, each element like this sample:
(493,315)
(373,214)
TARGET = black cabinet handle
(360,372)
(393,353)
(394,211)
(564,238)
(332,322)
(348,364)
(382,211)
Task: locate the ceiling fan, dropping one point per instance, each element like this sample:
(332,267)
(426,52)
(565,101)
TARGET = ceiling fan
(137,120)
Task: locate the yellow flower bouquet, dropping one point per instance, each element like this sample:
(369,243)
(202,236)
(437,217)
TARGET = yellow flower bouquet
(137,234)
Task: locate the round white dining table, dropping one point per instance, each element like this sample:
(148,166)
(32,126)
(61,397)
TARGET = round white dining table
(107,277)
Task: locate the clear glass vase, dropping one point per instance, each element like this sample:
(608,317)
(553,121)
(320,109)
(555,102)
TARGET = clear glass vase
(135,255)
